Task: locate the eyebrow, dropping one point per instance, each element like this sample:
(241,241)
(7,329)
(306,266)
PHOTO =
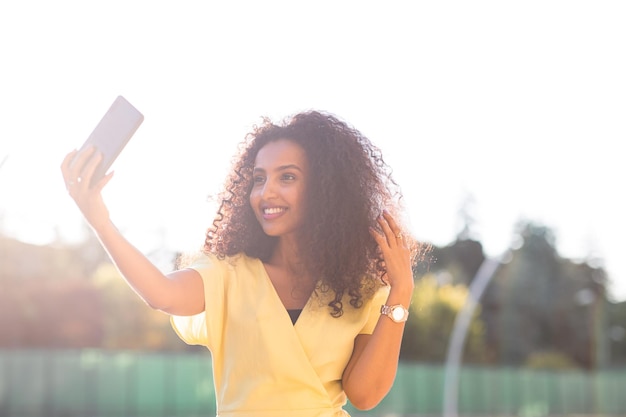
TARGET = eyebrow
(281,168)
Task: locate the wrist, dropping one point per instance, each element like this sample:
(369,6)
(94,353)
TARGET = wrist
(398,313)
(401,293)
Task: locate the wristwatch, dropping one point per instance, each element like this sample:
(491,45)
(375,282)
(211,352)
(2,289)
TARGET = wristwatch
(396,313)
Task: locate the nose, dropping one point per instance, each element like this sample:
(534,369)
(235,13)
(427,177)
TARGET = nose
(269,190)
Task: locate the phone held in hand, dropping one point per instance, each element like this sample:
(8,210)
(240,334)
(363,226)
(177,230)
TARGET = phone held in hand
(112,133)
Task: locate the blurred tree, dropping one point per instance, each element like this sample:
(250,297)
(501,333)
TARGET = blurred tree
(128,322)
(617,333)
(72,296)
(542,302)
(432,314)
(466,218)
(57,296)
(461,260)
(60,314)
(549,360)
(44,299)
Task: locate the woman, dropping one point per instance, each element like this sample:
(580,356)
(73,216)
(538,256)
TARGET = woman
(302,287)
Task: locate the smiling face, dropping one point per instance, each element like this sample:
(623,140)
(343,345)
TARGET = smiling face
(279,183)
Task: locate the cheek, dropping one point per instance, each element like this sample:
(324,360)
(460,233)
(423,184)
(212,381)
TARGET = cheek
(252,199)
(302,202)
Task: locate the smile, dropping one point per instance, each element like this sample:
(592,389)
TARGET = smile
(273,210)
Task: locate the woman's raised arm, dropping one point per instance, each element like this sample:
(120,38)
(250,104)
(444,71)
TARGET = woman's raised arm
(179,293)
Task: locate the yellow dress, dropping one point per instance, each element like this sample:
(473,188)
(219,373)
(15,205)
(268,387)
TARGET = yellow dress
(263,365)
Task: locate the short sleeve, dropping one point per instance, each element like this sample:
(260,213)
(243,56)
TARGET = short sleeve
(201,329)
(379,298)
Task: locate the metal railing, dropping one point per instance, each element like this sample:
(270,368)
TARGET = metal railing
(98,383)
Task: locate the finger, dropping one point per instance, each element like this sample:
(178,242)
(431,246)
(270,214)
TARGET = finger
(77,164)
(67,160)
(395,229)
(392,223)
(65,168)
(86,174)
(388,232)
(378,237)
(67,164)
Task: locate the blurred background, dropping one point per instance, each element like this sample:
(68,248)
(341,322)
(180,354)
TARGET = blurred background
(502,122)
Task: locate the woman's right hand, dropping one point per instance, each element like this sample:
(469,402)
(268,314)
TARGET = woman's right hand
(182,293)
(78,169)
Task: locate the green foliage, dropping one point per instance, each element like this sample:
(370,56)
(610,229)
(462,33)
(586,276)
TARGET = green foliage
(62,314)
(431,319)
(617,332)
(67,296)
(550,360)
(555,303)
(128,322)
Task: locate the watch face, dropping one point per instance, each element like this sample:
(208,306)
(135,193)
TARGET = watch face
(397,313)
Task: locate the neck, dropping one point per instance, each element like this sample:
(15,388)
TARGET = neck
(288,275)
(286,256)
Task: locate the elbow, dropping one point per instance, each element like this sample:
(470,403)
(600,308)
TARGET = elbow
(364,404)
(366,399)
(156,305)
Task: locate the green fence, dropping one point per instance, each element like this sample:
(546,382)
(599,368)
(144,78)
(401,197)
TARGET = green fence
(110,384)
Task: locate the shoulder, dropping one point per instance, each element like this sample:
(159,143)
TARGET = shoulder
(209,263)
(206,258)
(374,291)
(373,301)
(380,295)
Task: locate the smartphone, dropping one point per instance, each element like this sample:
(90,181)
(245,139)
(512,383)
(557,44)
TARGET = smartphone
(112,134)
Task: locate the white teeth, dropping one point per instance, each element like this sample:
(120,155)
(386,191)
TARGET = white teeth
(273,210)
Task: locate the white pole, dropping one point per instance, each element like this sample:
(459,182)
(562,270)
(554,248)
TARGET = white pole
(459,332)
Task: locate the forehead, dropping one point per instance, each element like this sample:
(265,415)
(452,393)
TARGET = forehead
(279,153)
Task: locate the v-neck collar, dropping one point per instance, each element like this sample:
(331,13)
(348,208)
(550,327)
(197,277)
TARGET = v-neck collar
(294,314)
(279,302)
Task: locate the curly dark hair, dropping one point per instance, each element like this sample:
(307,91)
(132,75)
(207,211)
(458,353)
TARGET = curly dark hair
(351,186)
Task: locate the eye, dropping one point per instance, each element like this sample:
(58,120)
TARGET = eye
(288,177)
(258,179)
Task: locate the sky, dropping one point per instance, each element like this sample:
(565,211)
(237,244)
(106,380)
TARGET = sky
(516,107)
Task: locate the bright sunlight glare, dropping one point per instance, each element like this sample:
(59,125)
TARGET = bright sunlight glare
(515,107)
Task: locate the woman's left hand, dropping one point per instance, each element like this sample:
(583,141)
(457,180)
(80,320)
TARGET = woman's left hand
(370,373)
(396,253)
